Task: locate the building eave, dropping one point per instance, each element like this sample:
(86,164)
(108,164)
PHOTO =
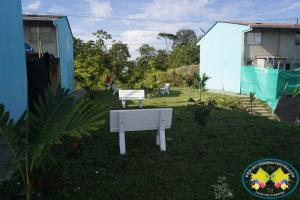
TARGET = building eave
(40,18)
(272,26)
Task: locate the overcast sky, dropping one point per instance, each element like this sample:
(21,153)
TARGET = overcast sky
(136,22)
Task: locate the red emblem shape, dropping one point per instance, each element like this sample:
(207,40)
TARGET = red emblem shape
(262,184)
(278,184)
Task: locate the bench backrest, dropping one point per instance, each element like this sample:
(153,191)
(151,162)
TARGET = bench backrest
(140,119)
(131,93)
(167,85)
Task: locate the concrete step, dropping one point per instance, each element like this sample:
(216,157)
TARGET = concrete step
(262,112)
(257,108)
(244,97)
(265,114)
(248,99)
(255,104)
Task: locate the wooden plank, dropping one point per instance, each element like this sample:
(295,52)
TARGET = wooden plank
(140,119)
(131,93)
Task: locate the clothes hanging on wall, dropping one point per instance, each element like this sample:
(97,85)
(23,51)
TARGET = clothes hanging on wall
(38,79)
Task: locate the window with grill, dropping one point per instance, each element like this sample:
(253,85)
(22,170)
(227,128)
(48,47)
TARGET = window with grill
(42,30)
(254,37)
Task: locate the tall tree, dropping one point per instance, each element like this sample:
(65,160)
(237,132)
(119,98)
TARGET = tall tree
(147,51)
(101,35)
(119,51)
(92,57)
(184,37)
(159,62)
(78,46)
(119,54)
(168,37)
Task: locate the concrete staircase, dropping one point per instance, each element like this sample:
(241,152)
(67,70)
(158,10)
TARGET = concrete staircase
(258,107)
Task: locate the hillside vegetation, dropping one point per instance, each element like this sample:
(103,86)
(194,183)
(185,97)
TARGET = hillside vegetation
(93,60)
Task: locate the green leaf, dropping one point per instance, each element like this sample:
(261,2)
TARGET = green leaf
(191,100)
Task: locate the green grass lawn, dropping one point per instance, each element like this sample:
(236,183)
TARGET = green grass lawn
(194,159)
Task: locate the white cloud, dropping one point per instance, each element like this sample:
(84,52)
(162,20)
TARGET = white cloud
(139,36)
(291,7)
(136,38)
(171,9)
(57,9)
(100,8)
(96,8)
(34,6)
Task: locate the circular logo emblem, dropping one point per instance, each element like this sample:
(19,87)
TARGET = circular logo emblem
(270,179)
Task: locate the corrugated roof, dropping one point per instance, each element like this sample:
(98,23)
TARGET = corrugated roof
(45,16)
(261,23)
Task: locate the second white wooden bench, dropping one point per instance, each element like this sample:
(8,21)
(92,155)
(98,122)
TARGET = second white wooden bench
(125,95)
(139,120)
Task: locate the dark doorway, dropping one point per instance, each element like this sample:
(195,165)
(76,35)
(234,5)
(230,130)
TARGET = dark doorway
(287,66)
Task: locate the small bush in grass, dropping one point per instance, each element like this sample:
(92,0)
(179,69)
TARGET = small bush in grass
(223,101)
(189,81)
(200,111)
(221,189)
(212,102)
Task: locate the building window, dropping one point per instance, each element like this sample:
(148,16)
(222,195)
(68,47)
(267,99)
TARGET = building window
(249,62)
(297,39)
(287,66)
(42,30)
(254,37)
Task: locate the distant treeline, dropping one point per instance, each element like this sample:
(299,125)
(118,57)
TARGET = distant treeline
(94,59)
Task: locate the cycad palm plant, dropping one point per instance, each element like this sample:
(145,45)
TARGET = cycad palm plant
(55,118)
(202,83)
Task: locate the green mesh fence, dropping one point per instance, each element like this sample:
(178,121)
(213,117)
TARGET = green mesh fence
(268,83)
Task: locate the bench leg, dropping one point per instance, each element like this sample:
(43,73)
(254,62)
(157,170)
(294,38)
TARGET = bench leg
(157,137)
(122,142)
(161,131)
(123,103)
(162,140)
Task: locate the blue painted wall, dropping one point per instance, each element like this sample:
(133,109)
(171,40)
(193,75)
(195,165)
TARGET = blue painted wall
(220,56)
(13,75)
(65,41)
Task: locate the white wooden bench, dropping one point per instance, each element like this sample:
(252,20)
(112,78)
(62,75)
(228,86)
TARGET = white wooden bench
(116,89)
(125,95)
(139,120)
(165,89)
